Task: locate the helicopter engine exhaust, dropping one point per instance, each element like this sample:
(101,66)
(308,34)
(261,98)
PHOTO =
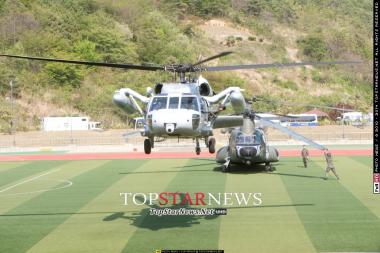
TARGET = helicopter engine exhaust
(204,87)
(158,88)
(238,102)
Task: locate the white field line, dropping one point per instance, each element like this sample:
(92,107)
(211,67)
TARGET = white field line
(28,180)
(69,183)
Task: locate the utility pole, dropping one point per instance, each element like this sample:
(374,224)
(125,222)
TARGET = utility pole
(71,129)
(12,116)
(14,29)
(343,122)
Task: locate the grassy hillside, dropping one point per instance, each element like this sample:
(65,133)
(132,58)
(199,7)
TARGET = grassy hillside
(168,31)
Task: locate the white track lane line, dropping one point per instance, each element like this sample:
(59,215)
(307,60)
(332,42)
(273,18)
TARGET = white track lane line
(28,180)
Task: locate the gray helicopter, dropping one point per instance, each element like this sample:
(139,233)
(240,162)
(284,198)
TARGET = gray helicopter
(185,109)
(248,146)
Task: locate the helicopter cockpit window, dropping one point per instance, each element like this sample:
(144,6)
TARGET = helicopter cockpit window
(259,136)
(158,103)
(249,139)
(190,103)
(173,102)
(241,139)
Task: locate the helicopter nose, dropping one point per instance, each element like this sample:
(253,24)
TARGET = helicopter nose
(247,151)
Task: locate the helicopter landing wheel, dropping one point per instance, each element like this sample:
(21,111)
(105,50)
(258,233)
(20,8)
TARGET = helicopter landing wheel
(226,165)
(211,145)
(268,167)
(225,168)
(197,147)
(147,146)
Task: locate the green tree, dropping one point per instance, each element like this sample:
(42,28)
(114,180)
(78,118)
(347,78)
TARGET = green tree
(64,74)
(110,42)
(86,50)
(313,47)
(205,8)
(254,7)
(160,41)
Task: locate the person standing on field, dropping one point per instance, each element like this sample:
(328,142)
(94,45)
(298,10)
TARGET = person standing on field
(305,155)
(330,164)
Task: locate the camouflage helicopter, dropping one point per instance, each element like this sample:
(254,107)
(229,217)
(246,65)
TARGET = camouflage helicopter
(183,109)
(247,144)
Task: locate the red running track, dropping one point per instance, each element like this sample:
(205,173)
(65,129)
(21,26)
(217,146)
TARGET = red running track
(164,155)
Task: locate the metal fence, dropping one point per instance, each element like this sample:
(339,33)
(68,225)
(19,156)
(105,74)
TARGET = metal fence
(42,140)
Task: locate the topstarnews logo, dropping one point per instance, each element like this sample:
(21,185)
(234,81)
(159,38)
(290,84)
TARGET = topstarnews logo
(191,204)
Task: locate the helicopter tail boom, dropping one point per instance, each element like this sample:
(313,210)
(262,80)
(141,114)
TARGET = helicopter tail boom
(234,95)
(126,99)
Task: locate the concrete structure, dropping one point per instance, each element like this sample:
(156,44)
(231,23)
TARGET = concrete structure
(357,118)
(352,116)
(68,124)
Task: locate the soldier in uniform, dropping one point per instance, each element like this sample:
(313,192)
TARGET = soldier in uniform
(330,165)
(305,155)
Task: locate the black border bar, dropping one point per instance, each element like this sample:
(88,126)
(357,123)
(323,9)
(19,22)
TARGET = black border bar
(376,173)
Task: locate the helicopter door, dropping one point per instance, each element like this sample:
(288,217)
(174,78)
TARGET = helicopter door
(204,111)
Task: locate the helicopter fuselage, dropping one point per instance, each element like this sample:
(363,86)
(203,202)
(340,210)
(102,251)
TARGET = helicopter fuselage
(182,110)
(177,110)
(247,149)
(177,115)
(176,123)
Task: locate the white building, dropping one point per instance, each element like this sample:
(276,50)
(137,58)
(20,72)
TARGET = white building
(68,124)
(357,117)
(352,116)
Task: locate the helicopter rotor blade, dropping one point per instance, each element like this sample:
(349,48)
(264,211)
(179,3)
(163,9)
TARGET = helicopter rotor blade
(212,58)
(131,134)
(291,133)
(275,65)
(255,99)
(286,116)
(180,68)
(88,63)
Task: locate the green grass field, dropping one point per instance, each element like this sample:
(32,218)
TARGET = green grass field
(300,211)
